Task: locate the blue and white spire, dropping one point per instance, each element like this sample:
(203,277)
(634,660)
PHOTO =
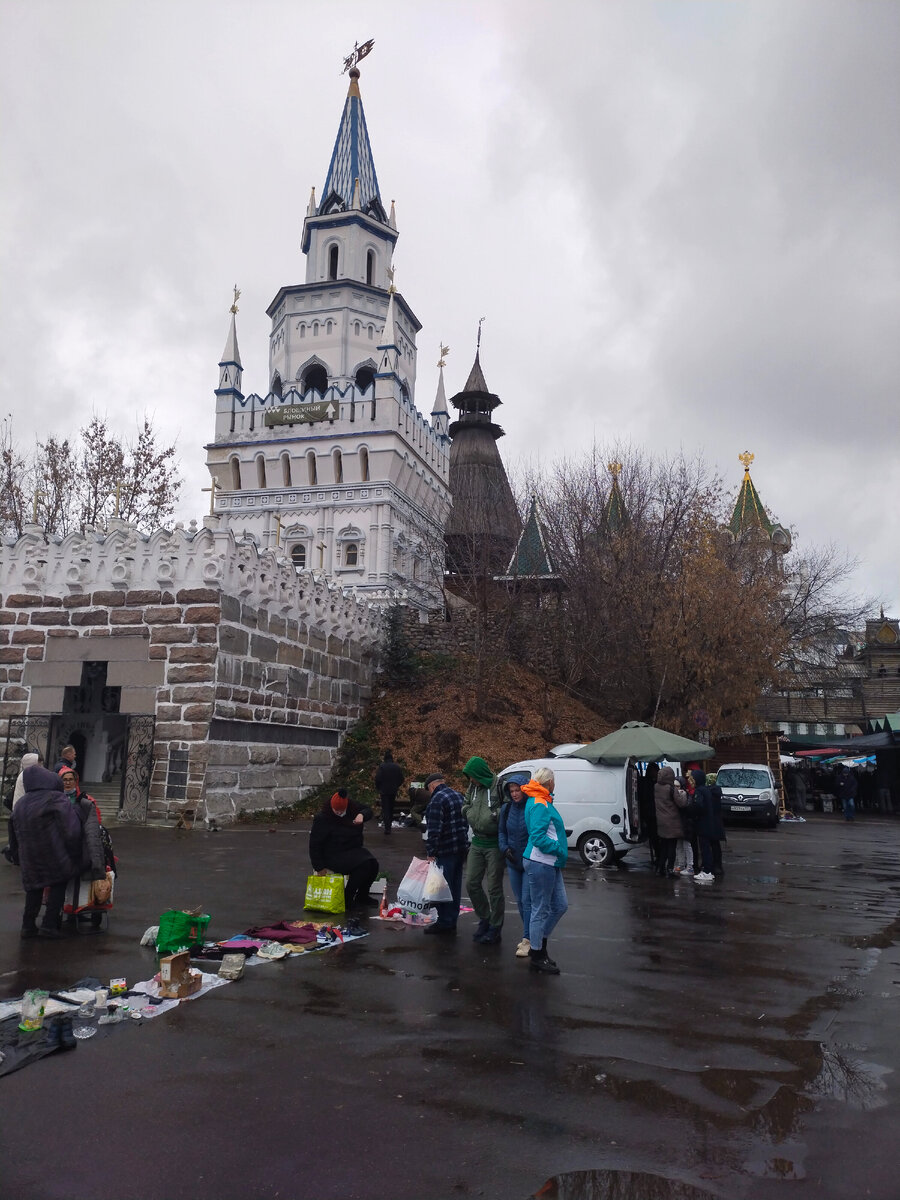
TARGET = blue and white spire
(230,369)
(352,163)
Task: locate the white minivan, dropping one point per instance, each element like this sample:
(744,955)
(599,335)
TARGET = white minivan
(598,805)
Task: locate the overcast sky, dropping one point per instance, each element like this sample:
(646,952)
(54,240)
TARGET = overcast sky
(680,221)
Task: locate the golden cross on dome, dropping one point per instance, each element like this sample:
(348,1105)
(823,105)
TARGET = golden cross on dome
(615,469)
(442,355)
(746,458)
(234,307)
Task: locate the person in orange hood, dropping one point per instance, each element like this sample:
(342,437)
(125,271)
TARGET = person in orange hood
(544,858)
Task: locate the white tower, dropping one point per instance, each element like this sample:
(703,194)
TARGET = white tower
(335,463)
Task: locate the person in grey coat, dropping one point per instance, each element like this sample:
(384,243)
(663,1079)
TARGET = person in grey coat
(46,838)
(668,799)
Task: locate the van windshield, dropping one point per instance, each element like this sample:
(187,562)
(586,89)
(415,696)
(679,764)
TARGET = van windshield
(744,777)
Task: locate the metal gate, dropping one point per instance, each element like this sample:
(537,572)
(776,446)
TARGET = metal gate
(138,770)
(23,735)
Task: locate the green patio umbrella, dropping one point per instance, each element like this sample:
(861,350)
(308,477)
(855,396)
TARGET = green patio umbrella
(638,740)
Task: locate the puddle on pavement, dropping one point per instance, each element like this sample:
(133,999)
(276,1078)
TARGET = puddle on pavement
(850,1080)
(618,1185)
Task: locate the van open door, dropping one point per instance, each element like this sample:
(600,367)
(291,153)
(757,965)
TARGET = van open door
(633,830)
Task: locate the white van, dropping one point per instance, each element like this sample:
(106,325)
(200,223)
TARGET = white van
(749,793)
(598,805)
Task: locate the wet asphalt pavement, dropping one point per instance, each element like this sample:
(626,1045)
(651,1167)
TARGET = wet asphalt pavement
(741,1038)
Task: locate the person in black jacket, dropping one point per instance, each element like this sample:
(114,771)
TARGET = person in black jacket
(710,829)
(388,781)
(336,846)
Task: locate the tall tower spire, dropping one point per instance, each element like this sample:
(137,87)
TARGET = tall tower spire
(352,162)
(440,417)
(230,369)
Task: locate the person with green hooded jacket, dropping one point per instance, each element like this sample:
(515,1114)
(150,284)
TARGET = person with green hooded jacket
(486,862)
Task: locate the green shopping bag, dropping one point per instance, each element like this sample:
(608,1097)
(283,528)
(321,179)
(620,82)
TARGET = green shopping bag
(325,893)
(180,930)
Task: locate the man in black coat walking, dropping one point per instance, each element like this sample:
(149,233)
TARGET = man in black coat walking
(388,781)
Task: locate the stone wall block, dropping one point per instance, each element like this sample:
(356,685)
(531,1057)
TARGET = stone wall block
(155,652)
(109,599)
(168,712)
(221,777)
(202,614)
(260,753)
(192,674)
(78,600)
(50,616)
(126,616)
(91,616)
(12,708)
(15,693)
(12,654)
(192,654)
(29,637)
(258,777)
(181,731)
(197,712)
(264,648)
(138,596)
(228,754)
(170,634)
(233,640)
(191,693)
(198,596)
(166,614)
(207,633)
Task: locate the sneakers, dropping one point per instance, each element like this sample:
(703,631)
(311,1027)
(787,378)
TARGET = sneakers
(523,947)
(704,877)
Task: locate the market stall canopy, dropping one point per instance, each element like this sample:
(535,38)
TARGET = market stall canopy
(855,746)
(638,740)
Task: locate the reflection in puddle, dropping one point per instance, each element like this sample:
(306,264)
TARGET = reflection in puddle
(618,1185)
(857,1083)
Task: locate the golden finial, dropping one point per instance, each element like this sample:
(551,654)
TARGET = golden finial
(237,296)
(615,469)
(391,270)
(442,355)
(746,458)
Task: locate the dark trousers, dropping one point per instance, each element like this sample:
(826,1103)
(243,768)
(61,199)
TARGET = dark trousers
(56,894)
(359,881)
(387,812)
(666,860)
(711,855)
(452,866)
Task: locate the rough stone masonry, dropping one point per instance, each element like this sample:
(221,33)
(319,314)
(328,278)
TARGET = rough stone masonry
(252,670)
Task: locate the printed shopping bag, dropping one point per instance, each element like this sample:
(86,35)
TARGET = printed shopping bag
(412,894)
(325,893)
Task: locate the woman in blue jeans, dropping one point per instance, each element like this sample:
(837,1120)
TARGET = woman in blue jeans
(545,856)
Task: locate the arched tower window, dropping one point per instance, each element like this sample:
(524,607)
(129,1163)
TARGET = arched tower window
(333,262)
(351,554)
(338,466)
(276,385)
(311,467)
(261,471)
(370,267)
(315,378)
(286,469)
(365,377)
(235,473)
(298,556)
(364,464)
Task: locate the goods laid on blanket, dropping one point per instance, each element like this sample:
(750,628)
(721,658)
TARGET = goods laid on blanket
(46,1022)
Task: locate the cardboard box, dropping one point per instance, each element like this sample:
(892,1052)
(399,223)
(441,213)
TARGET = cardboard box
(176,979)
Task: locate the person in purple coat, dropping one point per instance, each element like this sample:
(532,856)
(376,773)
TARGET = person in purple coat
(46,842)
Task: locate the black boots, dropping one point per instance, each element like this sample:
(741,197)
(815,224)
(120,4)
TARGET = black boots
(541,960)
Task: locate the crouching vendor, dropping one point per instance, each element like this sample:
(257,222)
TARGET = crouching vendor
(336,846)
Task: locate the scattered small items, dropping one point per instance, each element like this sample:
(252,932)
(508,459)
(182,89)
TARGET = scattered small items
(33,1005)
(232,966)
(118,986)
(180,929)
(272,950)
(176,979)
(150,936)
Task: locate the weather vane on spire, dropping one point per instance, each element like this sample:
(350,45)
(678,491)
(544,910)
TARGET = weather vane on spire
(746,458)
(358,52)
(442,355)
(615,469)
(478,342)
(237,296)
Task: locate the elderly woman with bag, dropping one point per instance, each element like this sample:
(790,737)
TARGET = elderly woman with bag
(46,842)
(336,846)
(669,800)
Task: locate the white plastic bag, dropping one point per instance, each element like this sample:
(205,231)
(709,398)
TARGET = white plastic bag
(421,886)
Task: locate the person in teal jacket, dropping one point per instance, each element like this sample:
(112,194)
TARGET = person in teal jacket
(545,856)
(486,861)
